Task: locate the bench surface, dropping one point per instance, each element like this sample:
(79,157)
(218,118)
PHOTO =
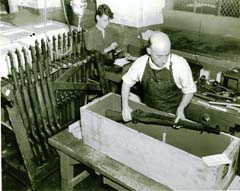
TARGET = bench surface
(66,143)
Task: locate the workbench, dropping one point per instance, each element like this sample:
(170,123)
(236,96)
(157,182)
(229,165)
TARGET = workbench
(73,150)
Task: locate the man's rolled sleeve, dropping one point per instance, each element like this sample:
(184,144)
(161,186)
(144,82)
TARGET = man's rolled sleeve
(133,74)
(128,78)
(190,88)
(185,79)
(187,83)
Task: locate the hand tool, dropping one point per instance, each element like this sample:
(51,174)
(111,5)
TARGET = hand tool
(215,95)
(224,103)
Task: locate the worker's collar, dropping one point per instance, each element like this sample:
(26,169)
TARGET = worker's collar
(155,67)
(101,30)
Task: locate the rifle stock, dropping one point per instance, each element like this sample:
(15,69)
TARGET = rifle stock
(153,118)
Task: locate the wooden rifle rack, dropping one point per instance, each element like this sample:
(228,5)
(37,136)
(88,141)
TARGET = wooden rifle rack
(66,88)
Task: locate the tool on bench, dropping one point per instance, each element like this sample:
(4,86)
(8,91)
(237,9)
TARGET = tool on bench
(224,103)
(154,118)
(218,96)
(213,91)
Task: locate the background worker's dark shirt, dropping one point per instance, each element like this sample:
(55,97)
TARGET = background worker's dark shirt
(94,39)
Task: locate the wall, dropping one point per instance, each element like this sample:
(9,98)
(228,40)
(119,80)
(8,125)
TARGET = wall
(39,4)
(203,23)
(135,13)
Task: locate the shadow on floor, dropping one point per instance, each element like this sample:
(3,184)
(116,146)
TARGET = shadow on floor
(92,183)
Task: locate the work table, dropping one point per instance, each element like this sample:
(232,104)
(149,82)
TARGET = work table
(69,146)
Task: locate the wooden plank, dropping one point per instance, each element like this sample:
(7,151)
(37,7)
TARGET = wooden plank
(98,161)
(66,172)
(88,86)
(69,73)
(113,184)
(79,178)
(68,180)
(150,156)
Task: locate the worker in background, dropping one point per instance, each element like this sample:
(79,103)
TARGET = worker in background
(100,37)
(166,79)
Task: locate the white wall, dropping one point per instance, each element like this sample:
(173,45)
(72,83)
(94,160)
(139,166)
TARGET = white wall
(136,13)
(39,4)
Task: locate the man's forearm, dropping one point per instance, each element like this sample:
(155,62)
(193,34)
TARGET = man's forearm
(185,100)
(125,94)
(106,50)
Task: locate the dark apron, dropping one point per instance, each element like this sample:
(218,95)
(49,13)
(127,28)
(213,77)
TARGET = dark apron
(160,90)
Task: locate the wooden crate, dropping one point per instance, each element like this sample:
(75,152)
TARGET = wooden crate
(177,163)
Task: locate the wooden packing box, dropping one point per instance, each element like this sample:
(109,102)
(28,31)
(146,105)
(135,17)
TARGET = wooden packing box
(177,163)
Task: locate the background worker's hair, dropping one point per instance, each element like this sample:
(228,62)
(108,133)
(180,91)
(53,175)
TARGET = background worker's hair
(104,10)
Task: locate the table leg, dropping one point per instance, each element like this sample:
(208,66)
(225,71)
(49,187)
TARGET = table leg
(68,180)
(66,172)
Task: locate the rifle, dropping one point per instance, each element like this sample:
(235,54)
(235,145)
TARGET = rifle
(45,93)
(82,42)
(49,85)
(28,108)
(153,118)
(60,49)
(69,46)
(54,49)
(64,45)
(20,102)
(74,47)
(39,94)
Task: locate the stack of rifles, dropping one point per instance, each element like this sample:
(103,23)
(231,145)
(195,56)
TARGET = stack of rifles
(43,110)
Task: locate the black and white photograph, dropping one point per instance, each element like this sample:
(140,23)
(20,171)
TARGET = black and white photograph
(125,95)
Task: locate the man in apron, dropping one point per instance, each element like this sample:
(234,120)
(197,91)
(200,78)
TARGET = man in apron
(166,79)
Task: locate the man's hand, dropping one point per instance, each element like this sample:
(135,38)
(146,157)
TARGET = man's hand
(179,114)
(126,114)
(113,46)
(126,110)
(183,104)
